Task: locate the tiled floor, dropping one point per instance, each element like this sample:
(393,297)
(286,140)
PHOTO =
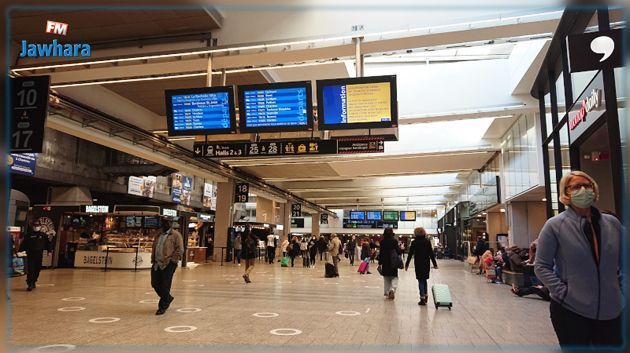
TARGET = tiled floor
(346,314)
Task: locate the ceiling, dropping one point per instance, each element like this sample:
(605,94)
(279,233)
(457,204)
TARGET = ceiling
(407,176)
(100,27)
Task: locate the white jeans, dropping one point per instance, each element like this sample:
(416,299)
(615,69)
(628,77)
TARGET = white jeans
(391,282)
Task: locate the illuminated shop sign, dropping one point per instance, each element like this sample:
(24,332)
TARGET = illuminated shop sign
(586,105)
(96,209)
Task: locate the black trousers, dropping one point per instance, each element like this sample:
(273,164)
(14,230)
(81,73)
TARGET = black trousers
(576,331)
(271,254)
(33,266)
(351,256)
(161,281)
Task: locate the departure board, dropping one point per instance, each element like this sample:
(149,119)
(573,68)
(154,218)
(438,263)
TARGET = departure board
(275,107)
(200,111)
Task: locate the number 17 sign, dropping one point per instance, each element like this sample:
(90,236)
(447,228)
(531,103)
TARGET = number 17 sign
(29,107)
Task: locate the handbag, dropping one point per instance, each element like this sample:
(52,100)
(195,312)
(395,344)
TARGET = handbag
(472,260)
(380,269)
(396,261)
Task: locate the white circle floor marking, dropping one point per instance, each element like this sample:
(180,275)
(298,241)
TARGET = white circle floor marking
(180,329)
(104,320)
(149,301)
(265,315)
(188,310)
(285,332)
(149,292)
(195,285)
(73,299)
(189,280)
(348,313)
(55,348)
(372,287)
(46,285)
(331,283)
(71,308)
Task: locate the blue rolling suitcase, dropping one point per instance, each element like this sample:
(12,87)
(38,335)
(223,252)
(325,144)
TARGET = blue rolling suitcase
(441,296)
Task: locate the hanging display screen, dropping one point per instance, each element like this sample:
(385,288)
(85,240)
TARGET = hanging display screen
(200,111)
(357,215)
(357,103)
(390,215)
(407,215)
(275,107)
(374,215)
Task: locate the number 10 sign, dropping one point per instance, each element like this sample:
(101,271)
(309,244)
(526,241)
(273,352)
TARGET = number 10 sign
(29,107)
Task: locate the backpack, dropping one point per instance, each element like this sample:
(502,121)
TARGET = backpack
(303,246)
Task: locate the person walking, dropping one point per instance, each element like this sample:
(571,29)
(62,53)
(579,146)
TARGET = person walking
(305,254)
(271,248)
(335,250)
(579,259)
(388,258)
(238,247)
(294,250)
(480,249)
(322,246)
(422,250)
(351,247)
(250,247)
(312,249)
(167,251)
(284,247)
(34,243)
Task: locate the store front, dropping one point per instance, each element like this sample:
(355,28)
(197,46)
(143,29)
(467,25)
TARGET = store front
(582,133)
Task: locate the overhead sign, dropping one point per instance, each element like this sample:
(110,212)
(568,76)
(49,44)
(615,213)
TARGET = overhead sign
(587,109)
(29,108)
(595,51)
(96,209)
(241,194)
(264,149)
(361,145)
(22,163)
(323,218)
(296,210)
(169,212)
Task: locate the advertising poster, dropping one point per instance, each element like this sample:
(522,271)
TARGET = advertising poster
(142,186)
(181,189)
(209,199)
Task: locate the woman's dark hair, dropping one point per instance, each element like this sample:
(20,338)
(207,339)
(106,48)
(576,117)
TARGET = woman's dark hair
(388,233)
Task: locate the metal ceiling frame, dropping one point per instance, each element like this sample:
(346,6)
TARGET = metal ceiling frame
(90,118)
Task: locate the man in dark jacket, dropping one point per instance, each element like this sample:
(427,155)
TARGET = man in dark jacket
(168,248)
(351,248)
(34,243)
(480,248)
(389,261)
(250,247)
(423,251)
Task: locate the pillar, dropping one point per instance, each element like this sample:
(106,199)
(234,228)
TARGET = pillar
(264,210)
(496,223)
(315,224)
(285,219)
(526,219)
(223,217)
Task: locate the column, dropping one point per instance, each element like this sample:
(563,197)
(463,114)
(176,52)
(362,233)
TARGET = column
(315,224)
(496,223)
(264,210)
(285,219)
(526,219)
(223,217)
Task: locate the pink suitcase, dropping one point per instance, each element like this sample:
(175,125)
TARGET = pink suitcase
(363,267)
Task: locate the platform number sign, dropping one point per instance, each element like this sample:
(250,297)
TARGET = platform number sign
(242,193)
(323,218)
(29,107)
(296,210)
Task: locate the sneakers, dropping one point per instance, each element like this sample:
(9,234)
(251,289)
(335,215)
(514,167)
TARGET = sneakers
(423,300)
(160,312)
(391,295)
(246,278)
(30,287)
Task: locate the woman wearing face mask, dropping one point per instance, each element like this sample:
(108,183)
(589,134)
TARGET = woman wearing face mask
(579,259)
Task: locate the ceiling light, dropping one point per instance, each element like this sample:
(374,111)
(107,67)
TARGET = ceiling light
(160,131)
(502,210)
(195,74)
(544,199)
(181,138)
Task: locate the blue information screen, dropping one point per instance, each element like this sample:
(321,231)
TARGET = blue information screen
(276,107)
(201,111)
(374,215)
(357,215)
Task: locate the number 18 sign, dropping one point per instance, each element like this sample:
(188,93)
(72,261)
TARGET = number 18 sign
(29,107)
